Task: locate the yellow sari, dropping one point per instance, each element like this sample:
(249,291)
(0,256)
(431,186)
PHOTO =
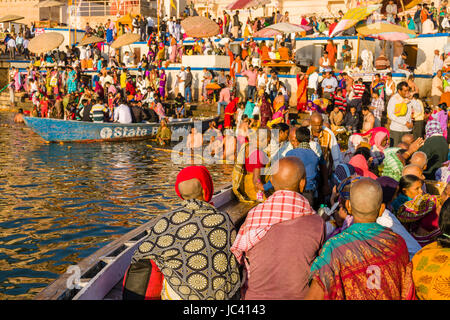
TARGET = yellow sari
(431,272)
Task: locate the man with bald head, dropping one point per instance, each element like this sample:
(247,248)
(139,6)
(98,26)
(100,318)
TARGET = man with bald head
(420,159)
(366,261)
(414,170)
(280,238)
(187,249)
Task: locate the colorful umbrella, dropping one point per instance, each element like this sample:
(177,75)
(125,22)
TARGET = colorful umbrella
(245,4)
(353,16)
(280,28)
(386,31)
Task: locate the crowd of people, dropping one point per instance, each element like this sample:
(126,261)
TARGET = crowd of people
(349,193)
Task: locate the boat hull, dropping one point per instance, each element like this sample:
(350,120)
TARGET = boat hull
(56,130)
(99,275)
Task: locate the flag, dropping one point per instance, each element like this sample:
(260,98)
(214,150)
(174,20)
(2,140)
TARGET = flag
(172,4)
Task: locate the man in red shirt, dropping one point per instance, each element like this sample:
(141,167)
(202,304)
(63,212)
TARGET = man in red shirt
(251,75)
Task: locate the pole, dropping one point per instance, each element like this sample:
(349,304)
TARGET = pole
(158,12)
(403,6)
(69,3)
(357,50)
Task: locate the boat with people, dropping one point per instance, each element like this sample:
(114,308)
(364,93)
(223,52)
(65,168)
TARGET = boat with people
(99,276)
(57,130)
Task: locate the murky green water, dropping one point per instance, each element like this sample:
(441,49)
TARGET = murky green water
(61,202)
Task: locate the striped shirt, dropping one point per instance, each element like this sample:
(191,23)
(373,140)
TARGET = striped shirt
(358,89)
(341,102)
(98,112)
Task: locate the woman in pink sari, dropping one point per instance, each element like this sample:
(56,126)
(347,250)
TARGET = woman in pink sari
(173,48)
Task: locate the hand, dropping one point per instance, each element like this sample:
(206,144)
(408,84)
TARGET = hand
(415,145)
(409,125)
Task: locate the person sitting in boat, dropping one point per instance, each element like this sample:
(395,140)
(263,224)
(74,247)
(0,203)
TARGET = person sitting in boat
(137,112)
(122,113)
(187,252)
(286,218)
(179,106)
(164,134)
(99,112)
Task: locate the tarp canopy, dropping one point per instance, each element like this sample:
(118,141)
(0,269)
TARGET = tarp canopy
(244,4)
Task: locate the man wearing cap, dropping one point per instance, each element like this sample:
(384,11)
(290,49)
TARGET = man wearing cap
(187,253)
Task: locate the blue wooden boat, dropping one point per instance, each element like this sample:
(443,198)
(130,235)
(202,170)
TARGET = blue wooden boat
(56,130)
(99,276)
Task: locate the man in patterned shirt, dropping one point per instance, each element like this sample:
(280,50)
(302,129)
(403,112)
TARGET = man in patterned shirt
(377,108)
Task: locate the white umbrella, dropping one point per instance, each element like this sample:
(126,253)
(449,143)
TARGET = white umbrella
(285,27)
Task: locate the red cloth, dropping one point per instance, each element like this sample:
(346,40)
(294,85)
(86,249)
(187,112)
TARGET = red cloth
(283,205)
(230,109)
(201,174)
(361,167)
(257,160)
(373,133)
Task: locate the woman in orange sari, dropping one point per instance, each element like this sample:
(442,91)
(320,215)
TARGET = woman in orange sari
(331,49)
(302,97)
(264,52)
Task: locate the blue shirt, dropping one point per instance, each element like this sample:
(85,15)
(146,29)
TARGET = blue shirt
(249,109)
(310,161)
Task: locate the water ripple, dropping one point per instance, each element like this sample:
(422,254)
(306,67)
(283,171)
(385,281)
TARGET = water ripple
(59,203)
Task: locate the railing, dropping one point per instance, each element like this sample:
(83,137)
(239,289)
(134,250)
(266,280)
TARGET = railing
(116,7)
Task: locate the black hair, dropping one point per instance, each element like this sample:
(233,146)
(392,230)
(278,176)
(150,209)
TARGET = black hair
(444,224)
(407,181)
(280,126)
(244,116)
(401,85)
(302,134)
(363,151)
(416,96)
(443,106)
(365,108)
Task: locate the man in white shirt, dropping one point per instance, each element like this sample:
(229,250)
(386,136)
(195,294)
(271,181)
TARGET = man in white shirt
(128,60)
(437,88)
(122,114)
(329,85)
(399,111)
(181,78)
(11,44)
(438,62)
(313,82)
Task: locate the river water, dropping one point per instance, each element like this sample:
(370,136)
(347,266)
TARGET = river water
(59,203)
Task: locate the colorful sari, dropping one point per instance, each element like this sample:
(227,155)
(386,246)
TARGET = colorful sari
(392,166)
(302,97)
(265,111)
(348,264)
(72,82)
(230,110)
(431,272)
(416,213)
(162,84)
(279,108)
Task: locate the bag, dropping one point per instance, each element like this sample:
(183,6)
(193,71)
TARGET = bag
(400,109)
(142,281)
